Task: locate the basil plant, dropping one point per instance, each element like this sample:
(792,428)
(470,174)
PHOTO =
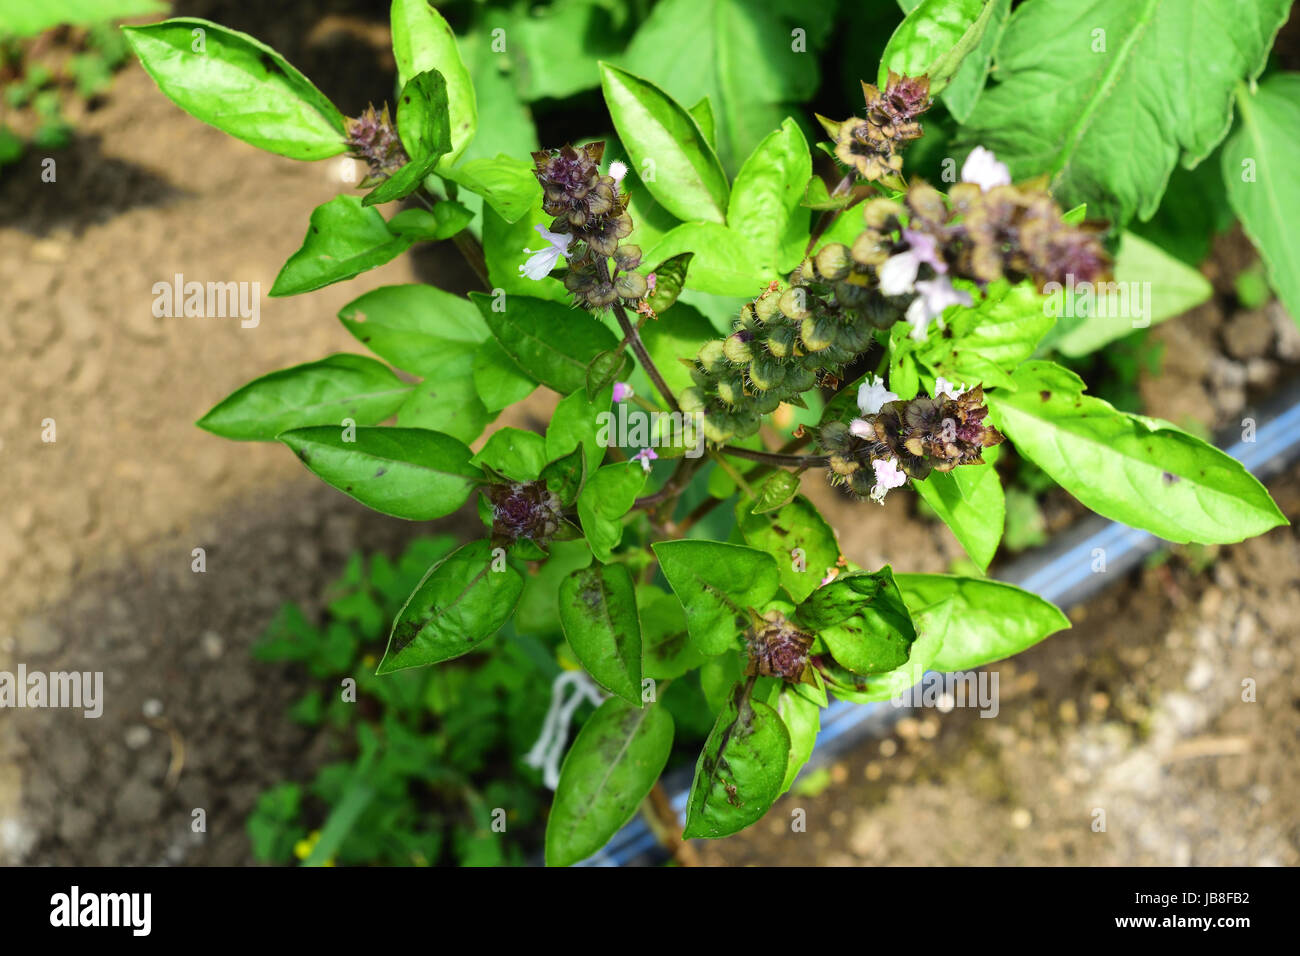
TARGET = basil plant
(716,339)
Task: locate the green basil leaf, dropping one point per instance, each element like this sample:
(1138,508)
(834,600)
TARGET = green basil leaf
(723,263)
(505,183)
(659,134)
(239,85)
(611,767)
(29,19)
(1143,472)
(797,537)
(934,39)
(565,476)
(447,218)
(740,771)
(343,240)
(447,402)
(426,133)
(670,279)
(517,454)
(966,86)
(669,652)
(1263,191)
(598,612)
(1060,95)
(498,380)
(549,341)
(802,719)
(1150,286)
(776,491)
(415,326)
(316,393)
(745,58)
(423,41)
(607,496)
(576,422)
(862,619)
(404,472)
(983,620)
(461,602)
(765,199)
(716,583)
(985,342)
(970,501)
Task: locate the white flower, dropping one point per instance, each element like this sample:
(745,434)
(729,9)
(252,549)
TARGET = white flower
(944,387)
(862,429)
(542,261)
(618,170)
(872,395)
(898,273)
(983,169)
(645,456)
(888,476)
(934,295)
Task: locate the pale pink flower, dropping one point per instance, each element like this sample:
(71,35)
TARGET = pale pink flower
(888,476)
(645,456)
(622,391)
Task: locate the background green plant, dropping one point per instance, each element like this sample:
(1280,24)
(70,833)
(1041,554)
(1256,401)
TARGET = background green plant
(663,585)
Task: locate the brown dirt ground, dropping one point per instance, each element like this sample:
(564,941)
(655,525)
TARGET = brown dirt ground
(95,544)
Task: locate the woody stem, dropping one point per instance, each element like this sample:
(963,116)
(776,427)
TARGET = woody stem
(633,338)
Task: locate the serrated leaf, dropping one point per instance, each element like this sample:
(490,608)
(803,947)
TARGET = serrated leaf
(797,537)
(1103,107)
(862,619)
(549,341)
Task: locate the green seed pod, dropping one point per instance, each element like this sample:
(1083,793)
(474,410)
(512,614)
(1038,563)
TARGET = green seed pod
(834,262)
(817,332)
(731,391)
(854,336)
(602,294)
(765,307)
(691,400)
(713,356)
(834,436)
(700,377)
(765,372)
(881,213)
(861,481)
(631,285)
(794,303)
(870,249)
(627,256)
(781,340)
(748,320)
(717,427)
(765,403)
(841,464)
(737,347)
(799,379)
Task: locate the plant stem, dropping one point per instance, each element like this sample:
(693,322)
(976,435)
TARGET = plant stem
(633,338)
(469,247)
(776,458)
(666,826)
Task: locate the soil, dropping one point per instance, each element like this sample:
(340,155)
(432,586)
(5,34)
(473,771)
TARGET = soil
(96,543)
